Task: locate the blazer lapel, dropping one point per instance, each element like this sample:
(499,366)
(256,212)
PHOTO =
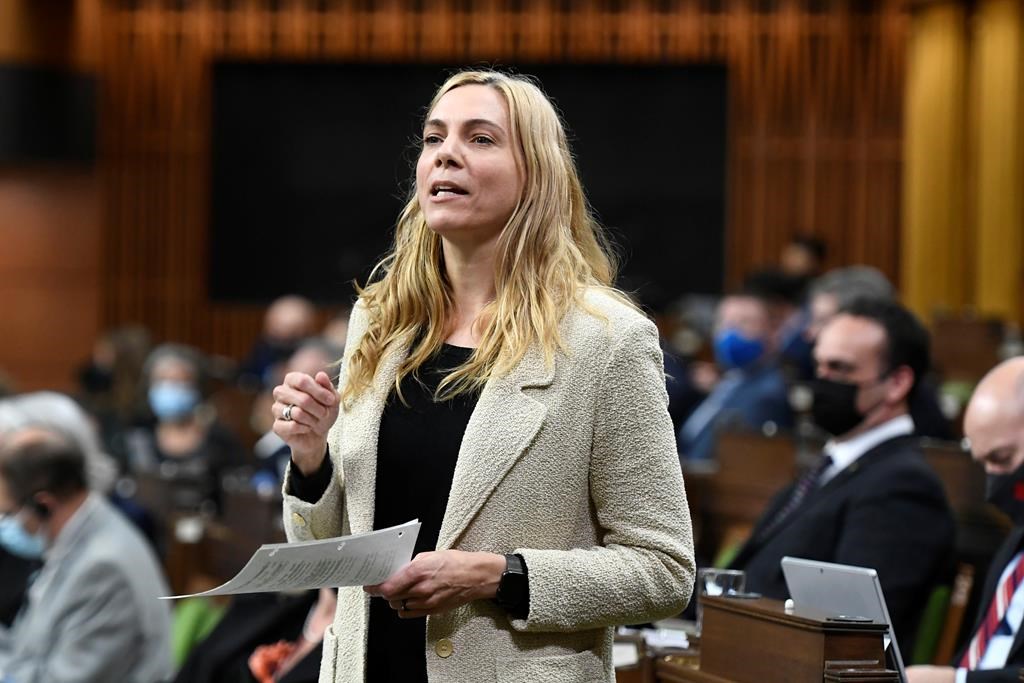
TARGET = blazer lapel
(502,425)
(359,445)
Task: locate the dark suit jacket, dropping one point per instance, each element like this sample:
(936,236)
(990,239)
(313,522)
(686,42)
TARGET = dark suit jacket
(1015,660)
(887,510)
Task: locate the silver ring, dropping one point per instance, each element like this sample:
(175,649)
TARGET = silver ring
(286,414)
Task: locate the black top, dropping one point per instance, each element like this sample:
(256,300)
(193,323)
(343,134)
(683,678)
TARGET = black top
(417,448)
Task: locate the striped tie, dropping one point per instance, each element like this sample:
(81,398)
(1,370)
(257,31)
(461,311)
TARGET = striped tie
(994,616)
(804,485)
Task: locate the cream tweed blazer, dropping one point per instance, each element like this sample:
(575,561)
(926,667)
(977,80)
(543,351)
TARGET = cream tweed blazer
(573,466)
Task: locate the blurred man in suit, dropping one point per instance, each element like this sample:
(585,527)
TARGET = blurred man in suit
(994,423)
(871,499)
(751,391)
(92,614)
(840,287)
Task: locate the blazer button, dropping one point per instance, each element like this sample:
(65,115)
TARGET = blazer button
(444,648)
(298,519)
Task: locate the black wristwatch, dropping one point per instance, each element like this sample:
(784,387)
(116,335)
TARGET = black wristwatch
(514,590)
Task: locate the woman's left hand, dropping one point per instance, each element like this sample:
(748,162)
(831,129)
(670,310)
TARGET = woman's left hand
(437,582)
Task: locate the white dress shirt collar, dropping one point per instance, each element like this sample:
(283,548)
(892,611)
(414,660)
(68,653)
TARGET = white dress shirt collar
(845,453)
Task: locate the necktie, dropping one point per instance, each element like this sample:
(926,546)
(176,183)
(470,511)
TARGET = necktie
(804,485)
(994,615)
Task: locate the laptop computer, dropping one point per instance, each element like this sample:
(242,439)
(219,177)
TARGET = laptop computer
(848,592)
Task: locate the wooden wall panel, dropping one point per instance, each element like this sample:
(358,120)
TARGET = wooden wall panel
(815,111)
(49,274)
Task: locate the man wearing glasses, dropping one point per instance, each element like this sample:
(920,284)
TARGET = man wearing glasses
(92,613)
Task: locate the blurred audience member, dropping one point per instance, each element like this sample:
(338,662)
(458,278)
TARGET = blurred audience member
(871,500)
(110,385)
(288,321)
(788,316)
(751,391)
(683,394)
(186,445)
(17,565)
(312,356)
(265,639)
(60,413)
(336,330)
(994,424)
(838,289)
(803,257)
(92,615)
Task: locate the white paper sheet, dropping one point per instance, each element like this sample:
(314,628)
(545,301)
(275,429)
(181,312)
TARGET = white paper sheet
(358,560)
(625,654)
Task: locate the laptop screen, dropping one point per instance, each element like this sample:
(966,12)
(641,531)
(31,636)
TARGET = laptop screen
(842,590)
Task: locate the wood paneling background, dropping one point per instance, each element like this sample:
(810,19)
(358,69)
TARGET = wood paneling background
(816,93)
(49,215)
(49,274)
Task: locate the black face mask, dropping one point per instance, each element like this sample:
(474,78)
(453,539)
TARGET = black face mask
(1006,492)
(95,379)
(280,350)
(835,406)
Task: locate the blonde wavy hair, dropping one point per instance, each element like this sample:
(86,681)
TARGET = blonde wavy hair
(550,251)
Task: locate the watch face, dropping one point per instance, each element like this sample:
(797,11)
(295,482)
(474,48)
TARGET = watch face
(512,589)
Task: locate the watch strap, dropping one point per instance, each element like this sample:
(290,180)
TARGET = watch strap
(514,589)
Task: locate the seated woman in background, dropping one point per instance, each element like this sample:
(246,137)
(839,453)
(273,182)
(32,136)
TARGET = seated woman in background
(186,445)
(497,387)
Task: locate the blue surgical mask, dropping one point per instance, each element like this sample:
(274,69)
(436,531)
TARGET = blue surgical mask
(17,541)
(733,350)
(172,400)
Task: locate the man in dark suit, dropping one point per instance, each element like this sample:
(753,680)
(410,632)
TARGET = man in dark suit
(994,424)
(871,500)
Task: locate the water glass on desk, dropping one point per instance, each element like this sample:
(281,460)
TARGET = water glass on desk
(714,582)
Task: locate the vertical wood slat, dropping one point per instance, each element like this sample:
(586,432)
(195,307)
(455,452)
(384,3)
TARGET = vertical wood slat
(815,116)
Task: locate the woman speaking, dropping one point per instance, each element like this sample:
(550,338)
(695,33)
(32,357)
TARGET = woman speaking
(498,388)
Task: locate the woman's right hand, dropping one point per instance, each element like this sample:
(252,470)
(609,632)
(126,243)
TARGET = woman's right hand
(314,408)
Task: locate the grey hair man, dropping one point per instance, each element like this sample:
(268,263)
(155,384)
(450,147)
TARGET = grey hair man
(93,614)
(839,288)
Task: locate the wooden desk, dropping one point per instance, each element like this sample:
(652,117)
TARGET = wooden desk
(757,641)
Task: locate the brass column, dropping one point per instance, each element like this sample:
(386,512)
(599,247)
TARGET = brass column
(997,157)
(934,271)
